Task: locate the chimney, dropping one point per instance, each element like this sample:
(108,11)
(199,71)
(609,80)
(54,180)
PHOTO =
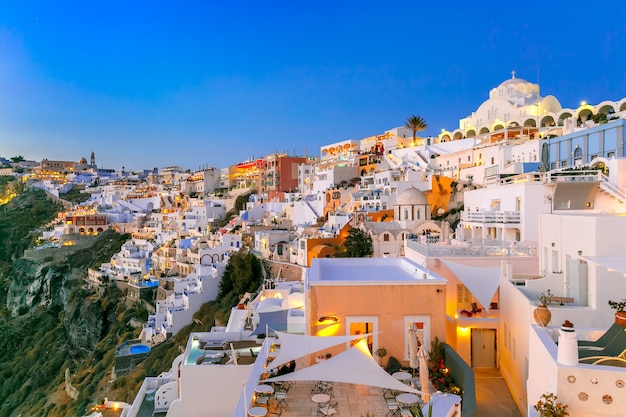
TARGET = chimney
(567,353)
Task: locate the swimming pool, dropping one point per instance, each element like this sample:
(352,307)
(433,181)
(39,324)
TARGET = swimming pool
(137,349)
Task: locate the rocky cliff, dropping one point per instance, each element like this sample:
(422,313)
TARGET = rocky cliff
(49,319)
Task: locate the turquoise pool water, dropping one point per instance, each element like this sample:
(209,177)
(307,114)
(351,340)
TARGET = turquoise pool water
(136,349)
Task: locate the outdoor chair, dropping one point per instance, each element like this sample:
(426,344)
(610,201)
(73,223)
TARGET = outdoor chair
(276,410)
(262,400)
(393,408)
(280,395)
(329,409)
(475,308)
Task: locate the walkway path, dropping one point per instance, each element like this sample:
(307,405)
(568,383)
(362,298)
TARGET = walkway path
(493,398)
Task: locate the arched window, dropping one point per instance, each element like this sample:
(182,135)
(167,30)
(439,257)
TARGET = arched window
(578,152)
(406,214)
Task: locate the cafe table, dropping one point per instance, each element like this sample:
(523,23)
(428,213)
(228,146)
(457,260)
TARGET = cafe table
(257,412)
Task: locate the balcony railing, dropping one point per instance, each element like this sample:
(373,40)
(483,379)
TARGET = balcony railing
(486,248)
(491,216)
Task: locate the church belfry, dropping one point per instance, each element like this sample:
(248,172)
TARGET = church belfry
(93,158)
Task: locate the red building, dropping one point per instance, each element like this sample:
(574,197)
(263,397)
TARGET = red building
(86,223)
(280,174)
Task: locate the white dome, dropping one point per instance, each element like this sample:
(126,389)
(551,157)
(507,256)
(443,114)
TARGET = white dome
(411,196)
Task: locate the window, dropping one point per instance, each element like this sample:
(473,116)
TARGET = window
(463,297)
(386,237)
(364,325)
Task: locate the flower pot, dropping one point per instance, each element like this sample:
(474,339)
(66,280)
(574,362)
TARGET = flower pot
(542,316)
(620,318)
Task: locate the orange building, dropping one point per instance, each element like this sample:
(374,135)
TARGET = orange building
(383,296)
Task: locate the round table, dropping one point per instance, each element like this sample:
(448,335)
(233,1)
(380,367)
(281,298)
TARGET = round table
(407,398)
(402,376)
(257,412)
(320,398)
(264,389)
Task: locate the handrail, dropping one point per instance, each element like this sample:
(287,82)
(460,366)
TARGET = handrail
(611,187)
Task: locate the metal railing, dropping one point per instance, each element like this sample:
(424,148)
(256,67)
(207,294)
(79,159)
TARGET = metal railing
(491,216)
(481,248)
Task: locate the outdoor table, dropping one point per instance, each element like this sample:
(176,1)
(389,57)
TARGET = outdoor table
(407,398)
(257,412)
(264,389)
(404,377)
(320,398)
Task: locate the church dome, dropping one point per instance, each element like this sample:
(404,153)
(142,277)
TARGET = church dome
(411,196)
(82,161)
(514,81)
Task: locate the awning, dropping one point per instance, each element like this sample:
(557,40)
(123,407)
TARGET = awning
(353,366)
(482,281)
(271,321)
(294,346)
(612,263)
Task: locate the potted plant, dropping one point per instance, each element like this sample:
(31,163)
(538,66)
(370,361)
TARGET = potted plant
(548,406)
(620,314)
(542,314)
(381,352)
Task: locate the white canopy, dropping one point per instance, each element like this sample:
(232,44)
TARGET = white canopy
(353,366)
(269,304)
(294,346)
(482,281)
(612,263)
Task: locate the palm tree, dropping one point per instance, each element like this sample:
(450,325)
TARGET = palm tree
(415,124)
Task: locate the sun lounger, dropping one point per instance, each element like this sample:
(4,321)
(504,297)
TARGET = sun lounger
(605,339)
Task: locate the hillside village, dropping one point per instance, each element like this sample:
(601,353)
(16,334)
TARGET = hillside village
(378,253)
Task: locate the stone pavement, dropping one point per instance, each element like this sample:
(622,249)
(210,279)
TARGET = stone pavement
(493,398)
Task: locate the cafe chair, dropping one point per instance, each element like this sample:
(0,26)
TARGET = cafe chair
(329,409)
(393,408)
(280,395)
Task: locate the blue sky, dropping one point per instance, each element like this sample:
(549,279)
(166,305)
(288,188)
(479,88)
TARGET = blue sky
(150,84)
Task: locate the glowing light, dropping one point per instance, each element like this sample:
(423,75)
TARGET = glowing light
(331,330)
(582,103)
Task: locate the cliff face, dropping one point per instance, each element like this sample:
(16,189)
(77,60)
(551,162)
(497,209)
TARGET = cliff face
(34,283)
(50,320)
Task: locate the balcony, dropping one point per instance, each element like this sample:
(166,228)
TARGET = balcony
(503,217)
(480,248)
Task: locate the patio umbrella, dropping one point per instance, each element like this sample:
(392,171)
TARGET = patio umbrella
(413,360)
(424,374)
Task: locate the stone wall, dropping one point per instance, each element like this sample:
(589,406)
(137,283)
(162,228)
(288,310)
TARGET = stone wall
(287,271)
